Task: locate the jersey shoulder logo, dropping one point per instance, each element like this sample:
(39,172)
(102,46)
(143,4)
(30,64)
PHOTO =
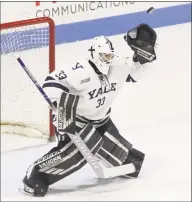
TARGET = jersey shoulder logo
(78,65)
(85,80)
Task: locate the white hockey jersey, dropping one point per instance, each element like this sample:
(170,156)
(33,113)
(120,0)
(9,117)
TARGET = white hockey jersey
(80,78)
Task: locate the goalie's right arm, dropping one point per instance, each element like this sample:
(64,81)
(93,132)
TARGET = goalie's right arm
(55,84)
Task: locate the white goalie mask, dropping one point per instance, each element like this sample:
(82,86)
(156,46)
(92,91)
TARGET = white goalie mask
(102,53)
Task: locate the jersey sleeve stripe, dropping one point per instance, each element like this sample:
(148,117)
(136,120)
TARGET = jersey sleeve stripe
(49,78)
(55,85)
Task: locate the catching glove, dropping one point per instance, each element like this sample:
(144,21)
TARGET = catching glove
(142,41)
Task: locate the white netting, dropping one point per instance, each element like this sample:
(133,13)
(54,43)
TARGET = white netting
(23,109)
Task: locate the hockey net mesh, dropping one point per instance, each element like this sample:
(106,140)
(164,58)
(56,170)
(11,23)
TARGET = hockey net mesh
(23,109)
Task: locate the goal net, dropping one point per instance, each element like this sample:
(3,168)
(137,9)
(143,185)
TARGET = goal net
(23,109)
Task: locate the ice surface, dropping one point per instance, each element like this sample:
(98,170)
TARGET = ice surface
(155,119)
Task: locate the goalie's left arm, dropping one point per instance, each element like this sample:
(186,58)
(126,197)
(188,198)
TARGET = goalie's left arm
(142,40)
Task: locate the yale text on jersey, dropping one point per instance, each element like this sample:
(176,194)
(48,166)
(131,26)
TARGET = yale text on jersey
(96,92)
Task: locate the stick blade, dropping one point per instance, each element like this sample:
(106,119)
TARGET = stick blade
(118,170)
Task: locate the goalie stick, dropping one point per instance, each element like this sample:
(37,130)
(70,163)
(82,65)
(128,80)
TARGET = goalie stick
(100,170)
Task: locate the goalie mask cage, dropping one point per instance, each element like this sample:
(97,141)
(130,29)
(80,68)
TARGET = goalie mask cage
(23,109)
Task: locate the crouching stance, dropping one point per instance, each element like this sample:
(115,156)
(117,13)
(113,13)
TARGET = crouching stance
(104,142)
(96,81)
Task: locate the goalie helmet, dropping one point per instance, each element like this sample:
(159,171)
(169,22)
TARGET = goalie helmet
(102,53)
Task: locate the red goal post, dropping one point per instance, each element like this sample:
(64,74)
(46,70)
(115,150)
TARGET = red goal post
(40,37)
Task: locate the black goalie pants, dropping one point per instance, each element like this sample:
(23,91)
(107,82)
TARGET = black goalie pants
(64,159)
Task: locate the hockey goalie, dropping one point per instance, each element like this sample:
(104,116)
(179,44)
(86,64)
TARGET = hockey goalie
(85,90)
